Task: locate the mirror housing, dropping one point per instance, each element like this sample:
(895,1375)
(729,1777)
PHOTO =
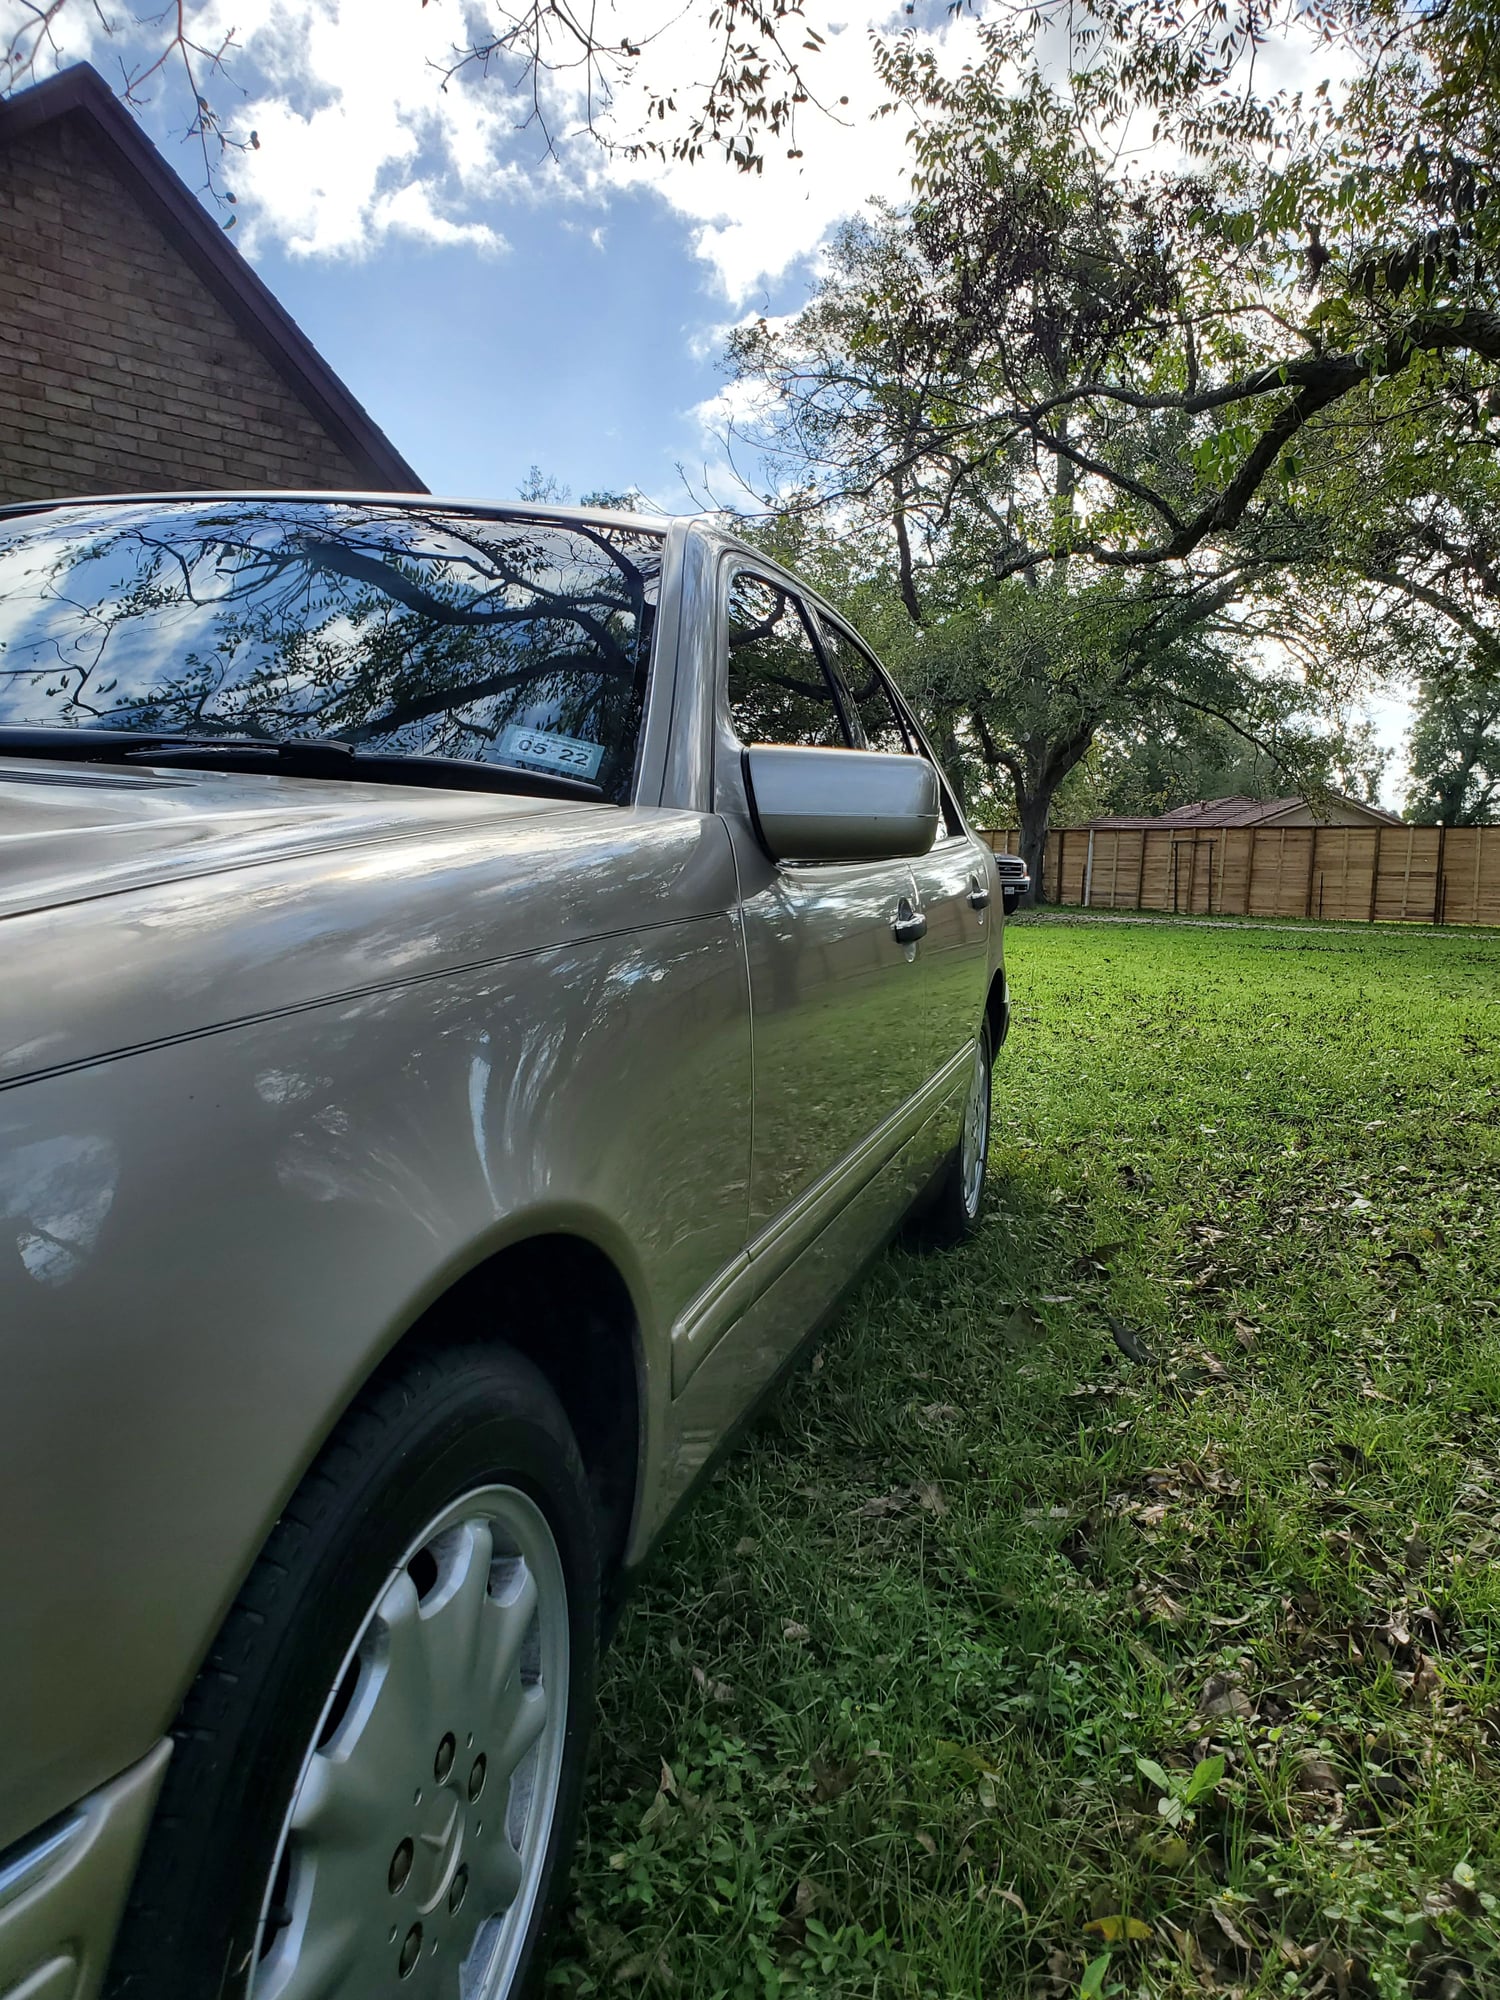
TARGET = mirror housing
(841,805)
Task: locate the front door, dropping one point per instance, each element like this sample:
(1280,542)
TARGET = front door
(839,1041)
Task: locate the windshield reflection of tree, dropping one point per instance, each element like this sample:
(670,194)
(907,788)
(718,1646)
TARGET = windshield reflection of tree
(392,629)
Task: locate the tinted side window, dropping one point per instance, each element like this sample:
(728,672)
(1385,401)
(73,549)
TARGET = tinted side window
(778,691)
(865,692)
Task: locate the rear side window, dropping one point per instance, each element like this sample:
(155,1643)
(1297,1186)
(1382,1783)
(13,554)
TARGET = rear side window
(865,693)
(778,690)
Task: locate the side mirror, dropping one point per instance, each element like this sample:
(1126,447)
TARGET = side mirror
(841,805)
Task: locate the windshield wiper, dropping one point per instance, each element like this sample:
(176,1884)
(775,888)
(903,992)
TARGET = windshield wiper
(292,757)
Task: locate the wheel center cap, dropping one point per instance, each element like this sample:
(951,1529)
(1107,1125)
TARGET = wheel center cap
(439,1846)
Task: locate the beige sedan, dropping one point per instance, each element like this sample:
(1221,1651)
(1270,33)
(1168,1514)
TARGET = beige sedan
(479,985)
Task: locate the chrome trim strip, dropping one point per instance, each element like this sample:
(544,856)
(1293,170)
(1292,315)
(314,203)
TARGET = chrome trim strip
(30,1860)
(736,1288)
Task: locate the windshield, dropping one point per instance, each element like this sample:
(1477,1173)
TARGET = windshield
(393,629)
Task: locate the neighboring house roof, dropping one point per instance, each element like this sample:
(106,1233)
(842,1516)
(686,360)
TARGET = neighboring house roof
(1242,811)
(81,92)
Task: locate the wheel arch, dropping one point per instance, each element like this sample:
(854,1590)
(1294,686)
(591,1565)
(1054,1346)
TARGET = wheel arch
(562,1302)
(997,1010)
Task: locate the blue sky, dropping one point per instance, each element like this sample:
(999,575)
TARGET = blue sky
(585,360)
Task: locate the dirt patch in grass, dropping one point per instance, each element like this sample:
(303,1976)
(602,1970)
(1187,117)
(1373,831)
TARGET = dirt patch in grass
(1113,1606)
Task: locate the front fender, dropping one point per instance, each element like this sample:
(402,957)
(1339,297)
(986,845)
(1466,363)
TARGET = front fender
(206,1247)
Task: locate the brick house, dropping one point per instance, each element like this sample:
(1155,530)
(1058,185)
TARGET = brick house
(138,349)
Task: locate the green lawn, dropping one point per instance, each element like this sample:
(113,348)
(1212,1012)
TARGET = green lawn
(913,1701)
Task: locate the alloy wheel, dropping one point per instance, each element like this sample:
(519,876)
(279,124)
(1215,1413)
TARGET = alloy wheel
(974,1144)
(414,1846)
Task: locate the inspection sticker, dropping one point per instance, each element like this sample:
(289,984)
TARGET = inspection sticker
(570,754)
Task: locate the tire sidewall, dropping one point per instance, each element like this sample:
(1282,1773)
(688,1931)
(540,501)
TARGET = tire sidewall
(971,1215)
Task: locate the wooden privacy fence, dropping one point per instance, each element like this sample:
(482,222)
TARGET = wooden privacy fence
(1365,874)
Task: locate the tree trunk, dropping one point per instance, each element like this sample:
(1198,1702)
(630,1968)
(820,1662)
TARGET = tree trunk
(1033,811)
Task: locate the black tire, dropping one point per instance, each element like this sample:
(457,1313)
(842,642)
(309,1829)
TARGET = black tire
(419,1438)
(953,1210)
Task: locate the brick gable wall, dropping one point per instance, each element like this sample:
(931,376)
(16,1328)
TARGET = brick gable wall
(120,372)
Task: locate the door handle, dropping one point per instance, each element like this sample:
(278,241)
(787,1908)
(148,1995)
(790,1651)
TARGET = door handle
(979,896)
(908,924)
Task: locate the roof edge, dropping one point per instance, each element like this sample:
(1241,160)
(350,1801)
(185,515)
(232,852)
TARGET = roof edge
(80,91)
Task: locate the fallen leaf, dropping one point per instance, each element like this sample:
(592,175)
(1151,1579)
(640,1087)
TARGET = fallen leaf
(1426,1681)
(1115,1930)
(831,1781)
(1221,1696)
(1128,1342)
(938,1413)
(715,1690)
(932,1499)
(746,1545)
(1021,1327)
(798,1634)
(1228,1926)
(1315,1773)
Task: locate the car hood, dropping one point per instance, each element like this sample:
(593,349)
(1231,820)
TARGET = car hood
(137,908)
(70,832)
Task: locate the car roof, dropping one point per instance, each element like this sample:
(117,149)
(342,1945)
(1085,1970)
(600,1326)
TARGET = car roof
(426,503)
(709,526)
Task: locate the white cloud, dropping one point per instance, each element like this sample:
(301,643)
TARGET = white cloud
(358,140)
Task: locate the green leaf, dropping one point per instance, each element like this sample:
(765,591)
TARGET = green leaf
(1153,1774)
(1092,1985)
(1205,1779)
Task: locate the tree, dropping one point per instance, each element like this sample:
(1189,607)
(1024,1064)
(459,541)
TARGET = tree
(1454,749)
(895,405)
(1155,763)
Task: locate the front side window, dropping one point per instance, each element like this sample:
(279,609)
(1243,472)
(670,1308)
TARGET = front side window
(778,691)
(865,692)
(400,630)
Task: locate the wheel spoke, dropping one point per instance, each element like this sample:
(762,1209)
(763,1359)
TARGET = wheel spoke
(495,1871)
(454,1625)
(526,1725)
(503,1635)
(328,1965)
(351,1777)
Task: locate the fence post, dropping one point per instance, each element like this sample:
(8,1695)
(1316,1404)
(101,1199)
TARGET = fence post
(1437,885)
(1374,877)
(1088,870)
(1312,864)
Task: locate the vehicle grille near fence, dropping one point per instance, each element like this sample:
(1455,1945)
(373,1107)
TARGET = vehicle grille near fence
(1363,874)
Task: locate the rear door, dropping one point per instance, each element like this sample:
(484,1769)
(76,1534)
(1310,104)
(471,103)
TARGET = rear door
(953,880)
